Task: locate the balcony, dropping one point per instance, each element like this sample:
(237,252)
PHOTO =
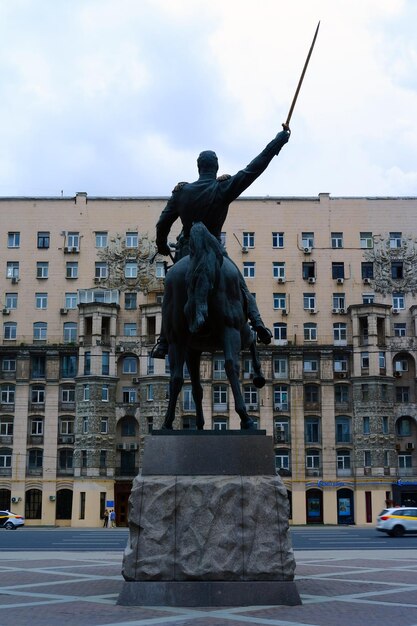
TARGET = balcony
(66,439)
(317,471)
(36,407)
(126,472)
(344,438)
(6,439)
(282,437)
(407,471)
(344,472)
(34,471)
(282,407)
(65,471)
(66,406)
(312,406)
(5,471)
(35,440)
(7,407)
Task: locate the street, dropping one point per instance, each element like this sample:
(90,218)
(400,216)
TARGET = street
(115,539)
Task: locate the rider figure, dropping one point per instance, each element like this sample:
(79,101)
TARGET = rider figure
(207,200)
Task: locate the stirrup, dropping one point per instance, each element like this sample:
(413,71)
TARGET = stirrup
(160,349)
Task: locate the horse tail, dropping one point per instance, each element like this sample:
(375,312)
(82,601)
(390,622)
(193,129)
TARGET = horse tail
(206,258)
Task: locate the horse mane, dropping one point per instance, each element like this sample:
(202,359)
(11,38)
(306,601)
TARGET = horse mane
(206,259)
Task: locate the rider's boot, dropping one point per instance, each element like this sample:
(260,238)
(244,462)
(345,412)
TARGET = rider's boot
(160,349)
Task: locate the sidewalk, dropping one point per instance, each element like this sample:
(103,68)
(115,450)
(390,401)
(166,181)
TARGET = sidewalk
(81,589)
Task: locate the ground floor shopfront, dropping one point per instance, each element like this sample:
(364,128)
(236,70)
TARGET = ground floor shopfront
(82,503)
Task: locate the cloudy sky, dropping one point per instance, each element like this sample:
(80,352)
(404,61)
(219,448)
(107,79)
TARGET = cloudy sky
(118,97)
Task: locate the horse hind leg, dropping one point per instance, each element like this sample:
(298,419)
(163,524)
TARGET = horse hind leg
(232,347)
(193,364)
(176,363)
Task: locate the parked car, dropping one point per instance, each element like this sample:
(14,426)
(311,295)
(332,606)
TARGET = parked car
(398,521)
(10,520)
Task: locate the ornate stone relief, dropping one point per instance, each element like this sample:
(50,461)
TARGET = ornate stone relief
(382,256)
(116,255)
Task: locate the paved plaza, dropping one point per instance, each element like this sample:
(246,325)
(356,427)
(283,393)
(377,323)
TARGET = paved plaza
(81,589)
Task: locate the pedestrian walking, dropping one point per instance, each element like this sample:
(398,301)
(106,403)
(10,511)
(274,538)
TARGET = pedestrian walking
(105,518)
(113,518)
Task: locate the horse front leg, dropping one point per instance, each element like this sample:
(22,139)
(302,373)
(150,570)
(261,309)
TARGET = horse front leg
(193,364)
(258,379)
(176,356)
(232,346)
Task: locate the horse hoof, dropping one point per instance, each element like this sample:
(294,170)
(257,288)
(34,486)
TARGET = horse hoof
(259,382)
(248,424)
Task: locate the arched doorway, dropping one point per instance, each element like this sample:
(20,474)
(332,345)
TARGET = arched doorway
(314,506)
(345,513)
(64,504)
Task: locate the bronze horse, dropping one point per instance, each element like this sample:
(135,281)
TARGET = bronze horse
(204,309)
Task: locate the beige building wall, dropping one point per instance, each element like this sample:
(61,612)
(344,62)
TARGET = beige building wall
(340,399)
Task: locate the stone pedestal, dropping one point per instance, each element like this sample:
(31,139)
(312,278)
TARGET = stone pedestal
(212,533)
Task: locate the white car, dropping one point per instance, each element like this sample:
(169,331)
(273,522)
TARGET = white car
(10,520)
(398,521)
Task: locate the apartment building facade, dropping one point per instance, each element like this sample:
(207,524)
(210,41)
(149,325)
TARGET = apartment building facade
(334,278)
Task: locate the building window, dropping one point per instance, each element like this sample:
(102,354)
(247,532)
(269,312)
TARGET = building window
(400,329)
(278,270)
(10,330)
(277,240)
(341,394)
(343,460)
(130,300)
(12,269)
(8,364)
(220,397)
(403,427)
(104,425)
(69,365)
(41,300)
(5,458)
(160,269)
(131,239)
(104,393)
(280,332)
(129,395)
(365,392)
(312,430)
(86,392)
(310,332)
(308,270)
(366,425)
(130,365)
(7,394)
(367,458)
(249,270)
(43,239)
(338,270)
(309,301)
(70,300)
(42,269)
(149,393)
(367,270)
(340,363)
(311,394)
(13,240)
(385,425)
(68,394)
(33,504)
(150,368)
(397,270)
(248,240)
(343,430)
(11,301)
(337,240)
(310,364)
(37,396)
(402,394)
(282,461)
(38,365)
(35,460)
(101,270)
(405,462)
(281,398)
(365,360)
(368,298)
(398,300)
(313,460)
(65,459)
(87,363)
(339,301)
(187,398)
(70,332)
(219,372)
(381,360)
(84,460)
(40,330)
(72,269)
(85,425)
(395,240)
(130,329)
(340,333)
(220,423)
(250,396)
(307,240)
(105,363)
(280,367)
(131,269)
(101,239)
(366,240)
(73,241)
(280,301)
(36,427)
